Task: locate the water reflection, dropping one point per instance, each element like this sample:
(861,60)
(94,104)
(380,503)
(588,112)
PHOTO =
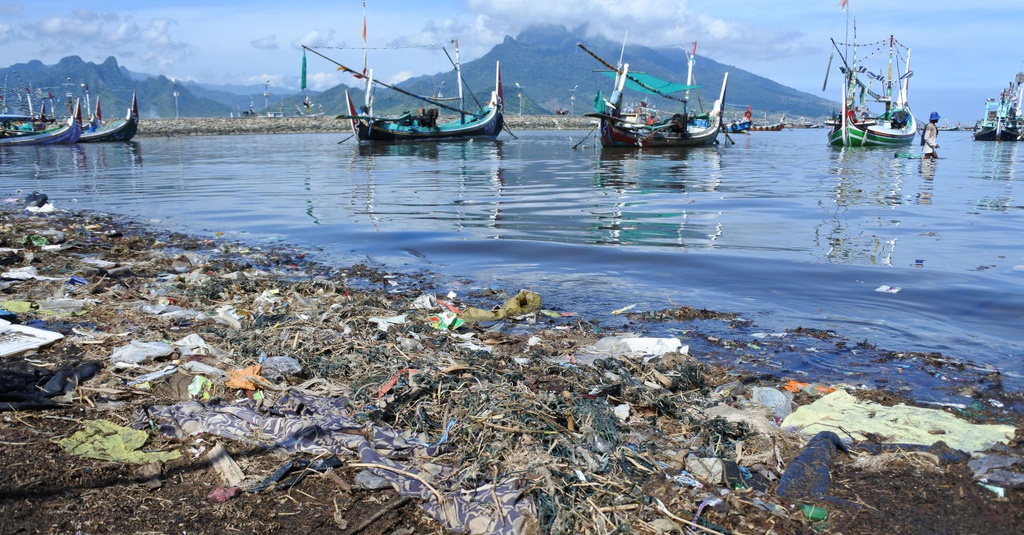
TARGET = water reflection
(653,200)
(864,178)
(428,186)
(997,165)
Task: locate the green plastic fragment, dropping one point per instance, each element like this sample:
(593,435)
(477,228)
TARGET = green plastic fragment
(813,512)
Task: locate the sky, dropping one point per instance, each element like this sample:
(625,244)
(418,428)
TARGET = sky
(961,52)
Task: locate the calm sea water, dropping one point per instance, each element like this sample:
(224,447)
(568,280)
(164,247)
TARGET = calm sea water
(777,227)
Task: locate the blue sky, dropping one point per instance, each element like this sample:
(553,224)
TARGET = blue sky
(961,52)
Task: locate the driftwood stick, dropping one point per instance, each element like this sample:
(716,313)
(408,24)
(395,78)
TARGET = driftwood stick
(396,503)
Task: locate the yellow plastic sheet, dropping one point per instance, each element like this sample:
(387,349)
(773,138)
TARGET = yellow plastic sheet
(520,304)
(901,424)
(105,440)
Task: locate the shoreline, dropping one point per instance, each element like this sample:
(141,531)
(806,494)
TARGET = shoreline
(374,342)
(217,126)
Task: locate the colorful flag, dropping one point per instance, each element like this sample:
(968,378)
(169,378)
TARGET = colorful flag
(303,83)
(364,38)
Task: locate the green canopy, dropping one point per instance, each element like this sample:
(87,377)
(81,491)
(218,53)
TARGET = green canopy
(659,85)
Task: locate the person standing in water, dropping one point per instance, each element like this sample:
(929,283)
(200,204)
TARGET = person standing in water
(930,137)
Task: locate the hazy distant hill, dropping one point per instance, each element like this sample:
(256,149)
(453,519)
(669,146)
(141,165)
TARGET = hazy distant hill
(544,61)
(551,70)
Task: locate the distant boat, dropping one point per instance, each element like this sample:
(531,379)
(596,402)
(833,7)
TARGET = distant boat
(643,126)
(120,130)
(856,125)
(775,127)
(740,126)
(1002,120)
(29,130)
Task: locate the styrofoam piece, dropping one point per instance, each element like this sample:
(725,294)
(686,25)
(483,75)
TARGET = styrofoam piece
(17,339)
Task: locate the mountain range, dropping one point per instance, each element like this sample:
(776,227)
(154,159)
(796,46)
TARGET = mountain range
(542,68)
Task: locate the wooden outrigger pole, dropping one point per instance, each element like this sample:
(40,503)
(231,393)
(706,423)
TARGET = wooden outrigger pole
(633,79)
(358,74)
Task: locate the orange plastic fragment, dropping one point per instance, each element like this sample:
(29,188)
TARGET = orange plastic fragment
(794,386)
(241,379)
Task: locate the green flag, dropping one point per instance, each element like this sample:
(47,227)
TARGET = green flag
(599,102)
(303,84)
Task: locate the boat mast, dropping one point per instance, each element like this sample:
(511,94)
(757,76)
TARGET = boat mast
(1018,98)
(367,72)
(904,95)
(458,82)
(689,74)
(849,91)
(888,80)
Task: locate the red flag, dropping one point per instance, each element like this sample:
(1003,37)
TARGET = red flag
(364,37)
(842,3)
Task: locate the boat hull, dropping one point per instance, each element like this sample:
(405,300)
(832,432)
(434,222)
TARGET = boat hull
(997,134)
(123,130)
(614,134)
(489,125)
(64,135)
(740,127)
(848,134)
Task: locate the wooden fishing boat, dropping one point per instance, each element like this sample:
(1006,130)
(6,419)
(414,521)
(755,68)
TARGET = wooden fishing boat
(1003,120)
(29,130)
(120,130)
(856,125)
(739,126)
(644,126)
(486,121)
(765,127)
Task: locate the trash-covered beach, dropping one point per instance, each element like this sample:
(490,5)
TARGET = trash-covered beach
(162,383)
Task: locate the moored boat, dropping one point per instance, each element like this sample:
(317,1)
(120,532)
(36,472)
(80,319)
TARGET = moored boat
(29,130)
(856,125)
(739,126)
(644,126)
(1002,120)
(120,130)
(766,127)
(486,122)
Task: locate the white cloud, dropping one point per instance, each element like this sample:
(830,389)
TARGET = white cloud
(317,39)
(265,43)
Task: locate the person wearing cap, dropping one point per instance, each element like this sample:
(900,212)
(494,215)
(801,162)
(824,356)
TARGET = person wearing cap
(930,137)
